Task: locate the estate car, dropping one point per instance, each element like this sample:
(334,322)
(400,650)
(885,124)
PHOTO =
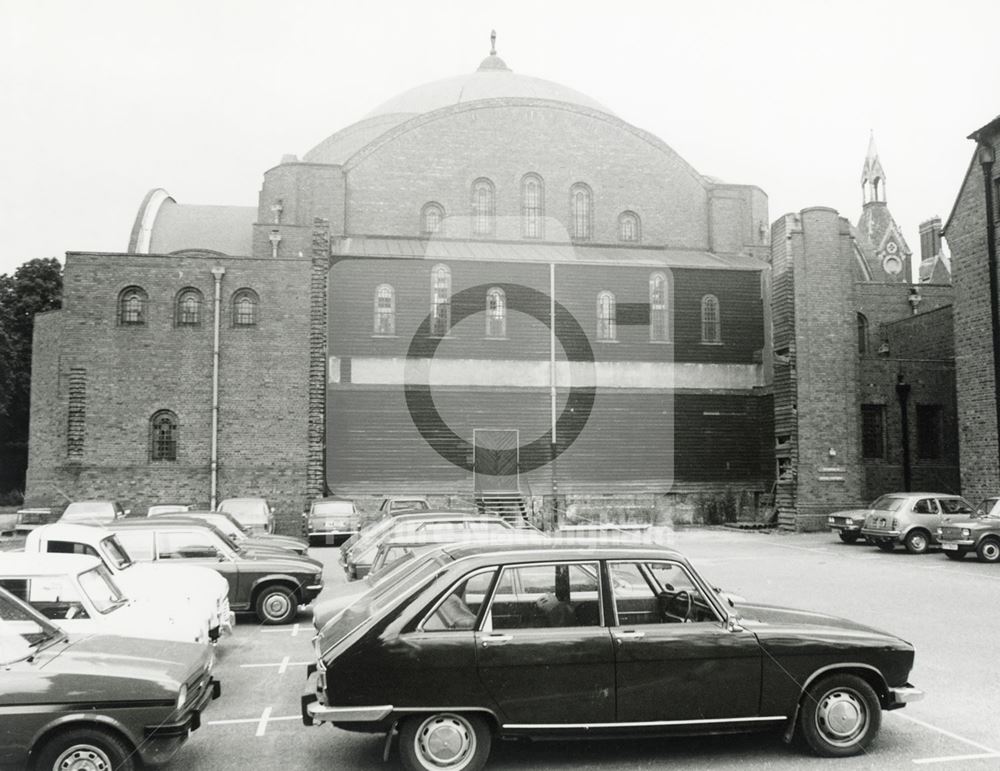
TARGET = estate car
(586,640)
(911,519)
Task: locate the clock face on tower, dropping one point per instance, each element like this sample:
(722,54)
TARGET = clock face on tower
(892,264)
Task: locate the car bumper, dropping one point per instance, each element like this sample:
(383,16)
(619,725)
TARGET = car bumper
(309,593)
(964,545)
(313,712)
(900,697)
(881,535)
(161,741)
(845,528)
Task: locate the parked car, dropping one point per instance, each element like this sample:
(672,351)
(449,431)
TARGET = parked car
(979,533)
(94,512)
(911,519)
(392,551)
(159,509)
(271,585)
(396,504)
(847,524)
(428,526)
(585,640)
(95,702)
(332,520)
(195,590)
(254,513)
(241,535)
(79,595)
(376,529)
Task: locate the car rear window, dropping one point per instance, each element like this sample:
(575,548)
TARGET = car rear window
(888,503)
(245,511)
(333,507)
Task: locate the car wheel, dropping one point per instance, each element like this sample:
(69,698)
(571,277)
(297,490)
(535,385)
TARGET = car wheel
(444,741)
(848,537)
(988,550)
(275,605)
(885,545)
(85,749)
(840,716)
(917,542)
(955,555)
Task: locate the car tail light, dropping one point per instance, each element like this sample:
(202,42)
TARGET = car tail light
(895,524)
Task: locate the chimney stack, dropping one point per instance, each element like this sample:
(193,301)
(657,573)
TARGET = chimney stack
(930,238)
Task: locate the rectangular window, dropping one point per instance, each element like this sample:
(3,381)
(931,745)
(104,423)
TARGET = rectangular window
(546,596)
(873,431)
(930,431)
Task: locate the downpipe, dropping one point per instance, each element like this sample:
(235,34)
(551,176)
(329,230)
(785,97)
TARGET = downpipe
(218,272)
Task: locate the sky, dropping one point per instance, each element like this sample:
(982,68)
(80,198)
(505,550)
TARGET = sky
(101,101)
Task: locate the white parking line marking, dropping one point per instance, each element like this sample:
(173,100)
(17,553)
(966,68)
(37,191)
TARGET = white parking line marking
(955,759)
(235,721)
(264,717)
(294,630)
(281,665)
(989,750)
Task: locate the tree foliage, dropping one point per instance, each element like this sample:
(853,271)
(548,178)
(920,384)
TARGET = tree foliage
(35,287)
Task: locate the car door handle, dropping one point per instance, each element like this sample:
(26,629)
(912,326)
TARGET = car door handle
(497,639)
(629,634)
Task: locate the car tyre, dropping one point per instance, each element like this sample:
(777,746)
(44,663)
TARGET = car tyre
(275,605)
(444,741)
(840,716)
(85,748)
(885,545)
(988,550)
(956,555)
(848,537)
(917,542)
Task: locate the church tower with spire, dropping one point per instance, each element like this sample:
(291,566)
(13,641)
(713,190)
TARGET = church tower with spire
(885,250)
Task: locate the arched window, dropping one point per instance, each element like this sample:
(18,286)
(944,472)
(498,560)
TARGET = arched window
(659,321)
(430,218)
(132,302)
(187,308)
(532,206)
(496,313)
(606,316)
(711,328)
(385,310)
(580,212)
(245,308)
(482,207)
(628,226)
(862,334)
(163,436)
(440,300)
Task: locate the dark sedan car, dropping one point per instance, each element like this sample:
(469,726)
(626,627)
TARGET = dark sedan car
(272,585)
(96,701)
(584,640)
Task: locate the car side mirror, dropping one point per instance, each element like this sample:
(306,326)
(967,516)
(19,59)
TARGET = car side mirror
(733,623)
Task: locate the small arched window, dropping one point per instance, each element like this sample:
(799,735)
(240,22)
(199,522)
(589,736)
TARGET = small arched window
(246,308)
(187,308)
(606,316)
(483,207)
(496,313)
(711,328)
(580,212)
(659,321)
(431,217)
(628,227)
(385,310)
(532,206)
(163,436)
(440,300)
(862,334)
(132,304)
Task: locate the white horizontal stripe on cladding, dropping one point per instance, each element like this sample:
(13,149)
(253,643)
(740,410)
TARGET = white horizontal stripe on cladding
(523,373)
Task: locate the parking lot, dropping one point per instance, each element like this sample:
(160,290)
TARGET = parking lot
(947,609)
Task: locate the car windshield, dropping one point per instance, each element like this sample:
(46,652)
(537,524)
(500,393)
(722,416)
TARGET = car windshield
(98,585)
(245,511)
(403,579)
(888,503)
(329,508)
(23,630)
(955,506)
(115,552)
(988,508)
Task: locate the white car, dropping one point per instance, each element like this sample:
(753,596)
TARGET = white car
(94,512)
(254,513)
(78,594)
(201,588)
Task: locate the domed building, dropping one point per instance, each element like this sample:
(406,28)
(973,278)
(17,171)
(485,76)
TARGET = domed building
(489,288)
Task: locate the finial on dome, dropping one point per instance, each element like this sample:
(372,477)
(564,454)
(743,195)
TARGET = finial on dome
(493,62)
(493,42)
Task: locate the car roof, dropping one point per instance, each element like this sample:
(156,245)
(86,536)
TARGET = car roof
(332,498)
(47,564)
(922,495)
(69,531)
(234,500)
(518,538)
(593,548)
(167,520)
(439,513)
(101,502)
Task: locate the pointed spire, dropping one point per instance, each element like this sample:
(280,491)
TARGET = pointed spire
(493,42)
(872,175)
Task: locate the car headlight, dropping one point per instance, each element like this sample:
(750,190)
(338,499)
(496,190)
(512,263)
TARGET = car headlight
(829,520)
(966,533)
(940,532)
(850,521)
(182,696)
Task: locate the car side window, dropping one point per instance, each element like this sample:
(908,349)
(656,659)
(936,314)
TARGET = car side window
(460,609)
(182,544)
(954,506)
(70,547)
(55,597)
(546,596)
(138,545)
(925,506)
(657,593)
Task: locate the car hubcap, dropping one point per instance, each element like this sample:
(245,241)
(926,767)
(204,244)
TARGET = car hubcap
(83,757)
(445,742)
(841,717)
(918,542)
(991,551)
(276,606)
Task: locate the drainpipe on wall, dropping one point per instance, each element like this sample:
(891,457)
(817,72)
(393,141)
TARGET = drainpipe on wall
(903,394)
(986,158)
(552,394)
(218,273)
